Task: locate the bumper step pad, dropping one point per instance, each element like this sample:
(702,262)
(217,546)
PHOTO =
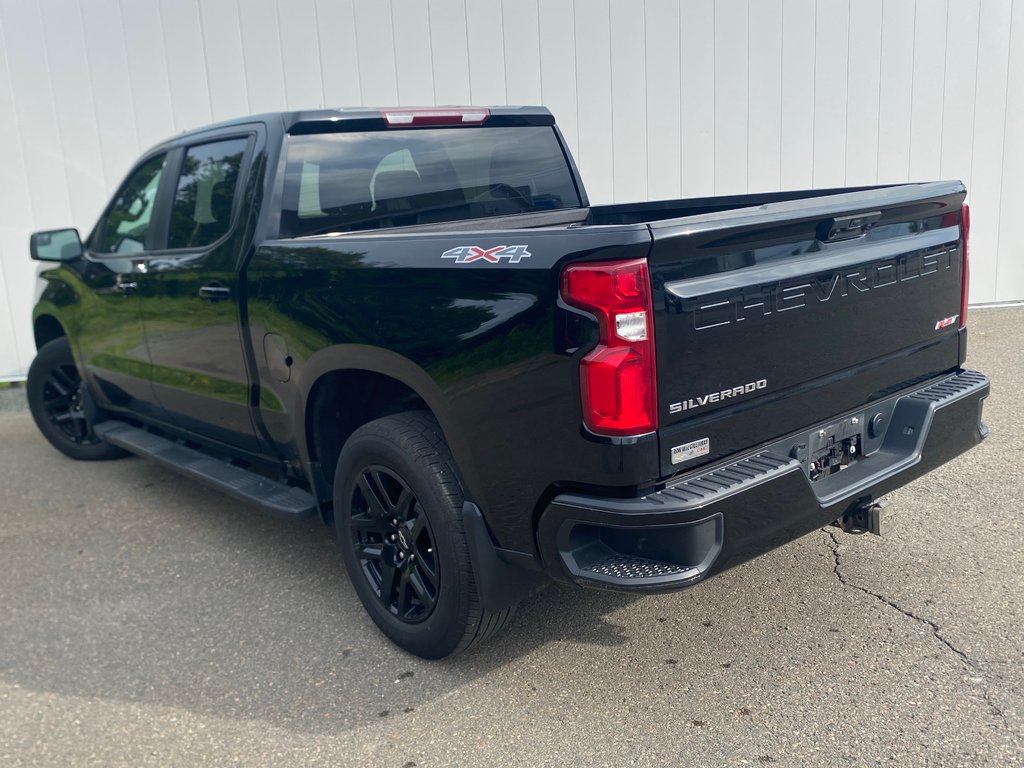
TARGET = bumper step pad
(273,497)
(626,567)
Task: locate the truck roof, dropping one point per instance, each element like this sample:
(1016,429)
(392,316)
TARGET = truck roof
(361,118)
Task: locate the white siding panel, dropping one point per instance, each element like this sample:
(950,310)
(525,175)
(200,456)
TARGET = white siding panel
(76,114)
(450,51)
(485,38)
(339,57)
(10,363)
(629,101)
(831,52)
(520,27)
(764,97)
(23,289)
(730,78)
(958,97)
(697,92)
(186,63)
(261,49)
(112,93)
(300,54)
(155,118)
(656,98)
(594,95)
(15,205)
(225,62)
(862,92)
(896,86)
(989,135)
(410,21)
(1010,254)
(376,45)
(36,112)
(797,93)
(558,66)
(14,211)
(30,95)
(662,86)
(928,90)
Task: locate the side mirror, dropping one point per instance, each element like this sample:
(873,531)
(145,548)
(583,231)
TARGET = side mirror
(56,245)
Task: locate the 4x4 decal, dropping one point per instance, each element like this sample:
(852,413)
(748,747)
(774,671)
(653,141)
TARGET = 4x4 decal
(467,254)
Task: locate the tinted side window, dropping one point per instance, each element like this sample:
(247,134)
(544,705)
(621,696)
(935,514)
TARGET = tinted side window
(126,223)
(201,212)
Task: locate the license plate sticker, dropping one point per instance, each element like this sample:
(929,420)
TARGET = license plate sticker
(687,451)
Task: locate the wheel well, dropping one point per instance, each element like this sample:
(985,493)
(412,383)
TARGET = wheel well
(47,328)
(342,401)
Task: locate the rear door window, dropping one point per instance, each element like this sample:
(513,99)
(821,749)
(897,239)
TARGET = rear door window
(341,182)
(205,195)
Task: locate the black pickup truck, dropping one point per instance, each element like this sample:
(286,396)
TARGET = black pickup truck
(413,324)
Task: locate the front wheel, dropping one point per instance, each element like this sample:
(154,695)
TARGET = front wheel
(398,518)
(56,393)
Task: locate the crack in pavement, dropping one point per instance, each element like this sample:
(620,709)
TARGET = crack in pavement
(832,542)
(936,630)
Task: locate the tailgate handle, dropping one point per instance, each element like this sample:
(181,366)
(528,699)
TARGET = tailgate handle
(847,227)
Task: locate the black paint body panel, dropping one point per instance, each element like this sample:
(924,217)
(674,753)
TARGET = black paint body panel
(482,344)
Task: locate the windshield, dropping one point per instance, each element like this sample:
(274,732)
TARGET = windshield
(338,182)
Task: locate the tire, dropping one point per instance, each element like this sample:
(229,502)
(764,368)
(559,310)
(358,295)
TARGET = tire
(55,391)
(415,579)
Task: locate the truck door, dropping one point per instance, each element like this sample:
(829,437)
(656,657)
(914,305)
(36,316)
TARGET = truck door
(190,304)
(109,337)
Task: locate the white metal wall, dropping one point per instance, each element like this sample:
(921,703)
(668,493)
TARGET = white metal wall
(658,98)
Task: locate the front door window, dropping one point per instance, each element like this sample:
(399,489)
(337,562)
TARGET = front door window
(126,223)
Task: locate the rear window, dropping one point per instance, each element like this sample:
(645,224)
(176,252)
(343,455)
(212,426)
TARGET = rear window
(339,182)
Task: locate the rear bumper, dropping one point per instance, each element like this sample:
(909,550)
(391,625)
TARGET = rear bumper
(730,512)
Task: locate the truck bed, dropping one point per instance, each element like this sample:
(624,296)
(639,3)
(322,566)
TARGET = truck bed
(619,213)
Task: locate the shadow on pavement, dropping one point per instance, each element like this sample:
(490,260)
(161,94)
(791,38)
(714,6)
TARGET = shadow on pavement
(129,582)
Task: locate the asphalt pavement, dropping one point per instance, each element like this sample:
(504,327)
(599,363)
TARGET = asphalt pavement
(147,621)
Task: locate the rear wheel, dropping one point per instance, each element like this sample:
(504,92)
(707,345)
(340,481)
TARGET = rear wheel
(56,398)
(398,517)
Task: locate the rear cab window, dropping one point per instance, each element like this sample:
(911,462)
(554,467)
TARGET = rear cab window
(343,182)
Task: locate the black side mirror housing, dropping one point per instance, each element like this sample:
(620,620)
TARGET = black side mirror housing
(56,245)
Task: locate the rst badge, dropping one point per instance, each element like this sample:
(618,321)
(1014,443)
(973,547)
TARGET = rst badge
(467,254)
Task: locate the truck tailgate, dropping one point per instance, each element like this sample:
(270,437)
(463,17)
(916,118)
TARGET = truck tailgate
(770,319)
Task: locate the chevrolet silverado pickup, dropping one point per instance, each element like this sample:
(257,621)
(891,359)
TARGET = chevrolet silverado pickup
(413,324)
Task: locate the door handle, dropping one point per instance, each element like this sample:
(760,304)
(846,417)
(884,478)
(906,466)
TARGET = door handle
(125,286)
(214,292)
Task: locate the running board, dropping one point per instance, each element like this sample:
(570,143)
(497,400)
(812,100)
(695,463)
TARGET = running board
(273,497)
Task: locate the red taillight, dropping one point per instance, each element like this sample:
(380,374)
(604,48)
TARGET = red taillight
(401,118)
(617,379)
(965,235)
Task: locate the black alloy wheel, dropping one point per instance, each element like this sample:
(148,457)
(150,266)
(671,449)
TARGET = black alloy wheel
(394,544)
(62,402)
(398,507)
(61,407)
